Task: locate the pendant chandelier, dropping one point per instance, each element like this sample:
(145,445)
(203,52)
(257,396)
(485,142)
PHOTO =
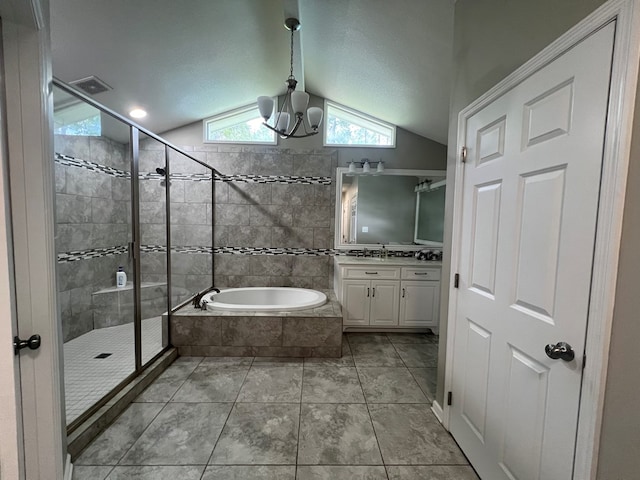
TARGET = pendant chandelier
(294,105)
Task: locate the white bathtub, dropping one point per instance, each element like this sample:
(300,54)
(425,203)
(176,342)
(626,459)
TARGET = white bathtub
(265,299)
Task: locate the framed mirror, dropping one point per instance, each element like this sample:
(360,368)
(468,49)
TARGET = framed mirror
(385,209)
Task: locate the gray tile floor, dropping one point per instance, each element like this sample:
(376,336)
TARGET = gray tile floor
(365,416)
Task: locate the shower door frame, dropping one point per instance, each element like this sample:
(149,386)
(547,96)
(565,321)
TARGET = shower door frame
(136,239)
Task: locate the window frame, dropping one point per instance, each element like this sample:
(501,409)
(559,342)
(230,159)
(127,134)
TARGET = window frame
(230,114)
(367,119)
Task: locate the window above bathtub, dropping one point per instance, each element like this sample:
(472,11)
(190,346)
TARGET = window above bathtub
(242,125)
(346,127)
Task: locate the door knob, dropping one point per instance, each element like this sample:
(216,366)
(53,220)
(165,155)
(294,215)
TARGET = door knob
(561,350)
(33,343)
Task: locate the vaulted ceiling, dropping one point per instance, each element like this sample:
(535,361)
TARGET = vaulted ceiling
(187,60)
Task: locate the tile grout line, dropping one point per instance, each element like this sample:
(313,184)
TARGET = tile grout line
(370,417)
(149,424)
(233,405)
(299,422)
(409,369)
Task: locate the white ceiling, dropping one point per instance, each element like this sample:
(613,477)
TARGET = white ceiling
(187,60)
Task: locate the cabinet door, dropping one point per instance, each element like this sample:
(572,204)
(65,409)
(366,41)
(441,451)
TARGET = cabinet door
(355,302)
(419,304)
(384,303)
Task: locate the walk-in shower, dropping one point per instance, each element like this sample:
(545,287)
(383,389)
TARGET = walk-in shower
(124,198)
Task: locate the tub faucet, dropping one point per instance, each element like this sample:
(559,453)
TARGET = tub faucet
(198,298)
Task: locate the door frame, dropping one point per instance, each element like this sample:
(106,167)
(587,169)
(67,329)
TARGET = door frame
(28,81)
(616,155)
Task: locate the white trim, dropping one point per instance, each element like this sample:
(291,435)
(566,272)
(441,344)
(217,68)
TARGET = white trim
(30,139)
(609,229)
(68,468)
(437,410)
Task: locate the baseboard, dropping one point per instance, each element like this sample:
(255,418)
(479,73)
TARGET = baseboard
(68,468)
(437,411)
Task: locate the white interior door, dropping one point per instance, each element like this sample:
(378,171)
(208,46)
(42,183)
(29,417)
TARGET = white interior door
(529,208)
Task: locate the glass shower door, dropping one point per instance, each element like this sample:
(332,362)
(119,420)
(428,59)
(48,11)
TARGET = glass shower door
(153,247)
(93,233)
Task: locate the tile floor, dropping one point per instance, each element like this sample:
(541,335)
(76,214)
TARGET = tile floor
(87,379)
(365,416)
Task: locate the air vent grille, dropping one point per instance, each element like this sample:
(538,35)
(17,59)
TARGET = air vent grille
(91,85)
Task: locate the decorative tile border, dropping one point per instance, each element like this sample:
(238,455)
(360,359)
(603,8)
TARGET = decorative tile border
(74,256)
(70,161)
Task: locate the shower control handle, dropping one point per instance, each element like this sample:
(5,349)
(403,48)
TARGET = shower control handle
(33,343)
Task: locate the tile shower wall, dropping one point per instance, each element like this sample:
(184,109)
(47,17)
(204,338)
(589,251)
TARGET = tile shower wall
(274,211)
(93,211)
(270,203)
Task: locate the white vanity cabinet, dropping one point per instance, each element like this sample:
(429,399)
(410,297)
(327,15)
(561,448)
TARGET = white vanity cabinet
(370,302)
(420,298)
(387,294)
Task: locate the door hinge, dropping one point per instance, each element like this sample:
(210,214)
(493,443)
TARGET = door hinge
(449,398)
(463,155)
(456,280)
(584,361)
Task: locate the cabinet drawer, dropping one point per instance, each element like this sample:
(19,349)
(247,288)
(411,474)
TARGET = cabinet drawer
(371,273)
(417,273)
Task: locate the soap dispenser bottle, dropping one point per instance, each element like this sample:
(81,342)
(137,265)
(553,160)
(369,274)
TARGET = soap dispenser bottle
(121,278)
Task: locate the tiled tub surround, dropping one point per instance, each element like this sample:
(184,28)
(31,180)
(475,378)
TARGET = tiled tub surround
(316,332)
(268,198)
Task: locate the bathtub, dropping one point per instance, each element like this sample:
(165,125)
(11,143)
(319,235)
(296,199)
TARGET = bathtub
(264,299)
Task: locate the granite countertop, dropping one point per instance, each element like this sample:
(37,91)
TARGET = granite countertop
(391,261)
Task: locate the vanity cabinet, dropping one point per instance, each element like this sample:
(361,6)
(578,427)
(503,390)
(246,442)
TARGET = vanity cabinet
(420,297)
(397,293)
(370,302)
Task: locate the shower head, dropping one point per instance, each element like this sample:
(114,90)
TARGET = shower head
(161,171)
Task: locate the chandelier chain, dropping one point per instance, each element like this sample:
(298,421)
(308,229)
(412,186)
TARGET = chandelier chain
(291,59)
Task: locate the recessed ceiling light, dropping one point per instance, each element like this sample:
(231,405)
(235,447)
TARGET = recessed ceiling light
(137,113)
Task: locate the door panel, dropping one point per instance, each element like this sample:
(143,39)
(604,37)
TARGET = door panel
(541,200)
(526,394)
(486,219)
(476,378)
(529,211)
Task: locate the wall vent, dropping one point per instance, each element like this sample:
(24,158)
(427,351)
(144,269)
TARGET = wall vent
(91,85)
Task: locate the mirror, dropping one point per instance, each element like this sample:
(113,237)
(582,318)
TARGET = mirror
(398,208)
(429,226)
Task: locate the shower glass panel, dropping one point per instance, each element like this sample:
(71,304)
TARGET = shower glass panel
(93,231)
(153,247)
(191,191)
